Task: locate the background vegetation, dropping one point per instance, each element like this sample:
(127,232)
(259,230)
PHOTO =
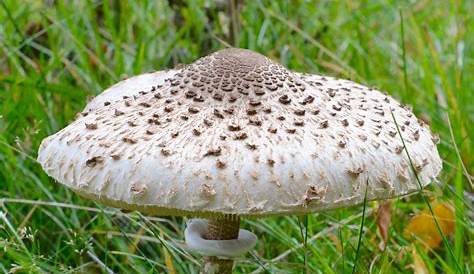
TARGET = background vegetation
(56,54)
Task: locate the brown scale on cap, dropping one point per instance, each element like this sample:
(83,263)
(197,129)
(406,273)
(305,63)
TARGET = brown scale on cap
(416,135)
(355,172)
(137,189)
(240,136)
(129,140)
(345,122)
(313,194)
(218,114)
(213,152)
(165,152)
(255,121)
(115,156)
(220,164)
(251,146)
(420,165)
(154,121)
(229,110)
(399,149)
(300,112)
(284,99)
(118,112)
(271,162)
(254,103)
(92,162)
(331,92)
(251,111)
(267,110)
(272,130)
(308,100)
(91,126)
(207,191)
(144,104)
(208,123)
(298,123)
(193,110)
(234,127)
(132,123)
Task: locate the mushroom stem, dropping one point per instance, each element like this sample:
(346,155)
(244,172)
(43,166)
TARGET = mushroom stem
(226,228)
(223,229)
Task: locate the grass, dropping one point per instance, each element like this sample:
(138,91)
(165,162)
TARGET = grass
(54,57)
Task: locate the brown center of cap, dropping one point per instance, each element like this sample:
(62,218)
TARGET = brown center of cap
(233,73)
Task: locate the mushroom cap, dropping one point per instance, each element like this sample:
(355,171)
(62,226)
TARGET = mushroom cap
(236,133)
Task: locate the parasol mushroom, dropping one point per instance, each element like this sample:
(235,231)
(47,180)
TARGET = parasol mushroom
(235,135)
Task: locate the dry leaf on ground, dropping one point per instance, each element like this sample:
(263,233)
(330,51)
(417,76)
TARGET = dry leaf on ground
(384,219)
(423,227)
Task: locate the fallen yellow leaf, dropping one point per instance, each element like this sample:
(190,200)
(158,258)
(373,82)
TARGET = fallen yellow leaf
(423,227)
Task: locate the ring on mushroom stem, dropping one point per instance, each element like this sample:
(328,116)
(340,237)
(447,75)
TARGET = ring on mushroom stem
(234,135)
(219,240)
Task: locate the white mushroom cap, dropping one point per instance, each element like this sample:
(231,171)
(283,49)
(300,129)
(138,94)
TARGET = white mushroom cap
(236,133)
